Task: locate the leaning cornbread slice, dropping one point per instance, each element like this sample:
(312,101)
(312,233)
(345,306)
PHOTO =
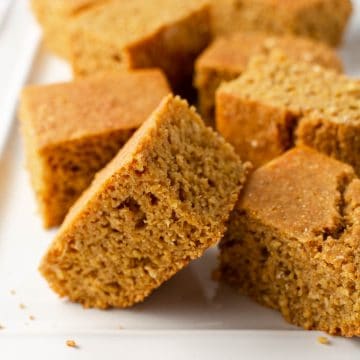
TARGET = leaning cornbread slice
(71,130)
(226,59)
(322,20)
(277,103)
(55,17)
(161,202)
(168,34)
(293,241)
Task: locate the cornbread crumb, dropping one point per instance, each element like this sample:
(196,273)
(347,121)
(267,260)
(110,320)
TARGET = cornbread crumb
(31,317)
(227,57)
(12,292)
(22,306)
(2,327)
(71,343)
(293,241)
(72,130)
(323,340)
(322,20)
(279,103)
(160,203)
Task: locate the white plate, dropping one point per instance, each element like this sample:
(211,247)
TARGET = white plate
(189,317)
(19,39)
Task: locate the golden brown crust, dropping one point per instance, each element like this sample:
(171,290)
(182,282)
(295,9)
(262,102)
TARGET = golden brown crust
(72,130)
(292,241)
(104,103)
(227,57)
(157,205)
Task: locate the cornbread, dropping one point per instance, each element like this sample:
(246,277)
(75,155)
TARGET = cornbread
(71,343)
(72,130)
(168,34)
(323,340)
(157,205)
(277,103)
(227,57)
(322,20)
(56,17)
(293,241)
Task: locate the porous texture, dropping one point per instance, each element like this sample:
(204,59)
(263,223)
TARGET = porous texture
(56,17)
(227,57)
(157,205)
(141,33)
(72,130)
(277,103)
(293,241)
(323,20)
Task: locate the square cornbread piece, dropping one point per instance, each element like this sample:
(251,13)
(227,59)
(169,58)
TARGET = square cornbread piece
(72,130)
(56,17)
(293,241)
(168,34)
(227,57)
(160,203)
(322,20)
(277,103)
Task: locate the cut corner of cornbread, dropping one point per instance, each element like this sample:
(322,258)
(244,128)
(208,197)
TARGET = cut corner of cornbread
(227,58)
(277,103)
(71,130)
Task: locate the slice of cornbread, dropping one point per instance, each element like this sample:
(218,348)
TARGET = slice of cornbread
(168,34)
(55,17)
(157,205)
(226,59)
(277,103)
(323,20)
(293,241)
(72,130)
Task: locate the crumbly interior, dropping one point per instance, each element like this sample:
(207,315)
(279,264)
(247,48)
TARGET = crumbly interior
(68,169)
(322,20)
(138,34)
(160,203)
(60,173)
(227,58)
(292,242)
(276,98)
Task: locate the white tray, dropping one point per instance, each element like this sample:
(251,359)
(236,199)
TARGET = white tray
(190,317)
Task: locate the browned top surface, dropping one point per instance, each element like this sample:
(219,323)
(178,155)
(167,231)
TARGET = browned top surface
(304,89)
(300,193)
(126,22)
(68,111)
(234,52)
